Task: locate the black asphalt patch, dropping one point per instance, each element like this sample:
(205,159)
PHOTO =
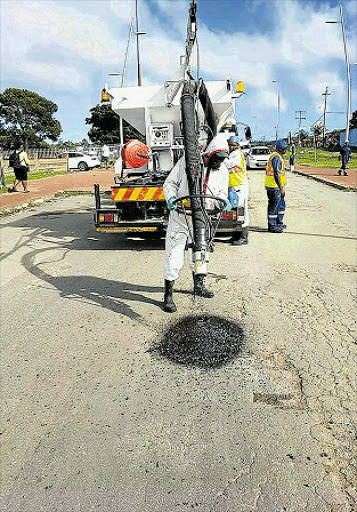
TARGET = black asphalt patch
(202,341)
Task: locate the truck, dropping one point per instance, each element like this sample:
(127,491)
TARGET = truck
(137,202)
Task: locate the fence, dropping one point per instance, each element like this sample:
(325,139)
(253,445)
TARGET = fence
(39,164)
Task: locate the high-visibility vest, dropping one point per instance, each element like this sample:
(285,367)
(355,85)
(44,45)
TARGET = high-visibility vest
(238,173)
(269,172)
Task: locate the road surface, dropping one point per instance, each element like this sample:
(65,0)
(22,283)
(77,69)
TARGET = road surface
(104,409)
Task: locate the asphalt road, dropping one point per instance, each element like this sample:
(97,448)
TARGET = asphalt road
(103,409)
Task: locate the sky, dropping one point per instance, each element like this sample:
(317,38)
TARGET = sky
(64,50)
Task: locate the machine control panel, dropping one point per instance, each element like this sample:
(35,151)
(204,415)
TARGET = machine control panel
(161,135)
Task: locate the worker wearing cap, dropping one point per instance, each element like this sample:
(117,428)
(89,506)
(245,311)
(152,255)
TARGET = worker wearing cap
(176,186)
(345,156)
(274,184)
(238,181)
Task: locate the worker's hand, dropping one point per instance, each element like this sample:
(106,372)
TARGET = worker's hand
(282,192)
(228,206)
(171,203)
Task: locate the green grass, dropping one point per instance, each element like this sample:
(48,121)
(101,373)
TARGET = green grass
(9,179)
(306,157)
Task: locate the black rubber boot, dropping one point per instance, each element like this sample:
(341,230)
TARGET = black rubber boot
(275,229)
(199,287)
(169,305)
(243,239)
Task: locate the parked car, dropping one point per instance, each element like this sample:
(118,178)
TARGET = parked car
(258,157)
(77,160)
(244,146)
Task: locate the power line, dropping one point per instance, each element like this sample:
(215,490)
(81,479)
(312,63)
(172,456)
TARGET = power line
(300,114)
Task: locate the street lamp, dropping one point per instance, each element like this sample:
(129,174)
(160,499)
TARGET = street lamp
(115,73)
(278,115)
(348,72)
(137,33)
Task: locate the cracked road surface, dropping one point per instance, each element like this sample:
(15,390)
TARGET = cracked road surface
(94,417)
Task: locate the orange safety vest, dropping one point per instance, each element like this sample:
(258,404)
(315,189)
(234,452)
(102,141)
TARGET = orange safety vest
(269,172)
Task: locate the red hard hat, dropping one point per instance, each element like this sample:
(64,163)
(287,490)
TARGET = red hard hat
(135,154)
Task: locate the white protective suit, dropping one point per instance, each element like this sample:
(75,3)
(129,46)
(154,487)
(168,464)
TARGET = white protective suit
(177,230)
(236,164)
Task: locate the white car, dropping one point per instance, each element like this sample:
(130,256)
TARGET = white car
(258,157)
(77,160)
(245,148)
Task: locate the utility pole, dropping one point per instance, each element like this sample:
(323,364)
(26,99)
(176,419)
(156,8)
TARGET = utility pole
(300,114)
(137,33)
(137,42)
(326,93)
(278,110)
(345,47)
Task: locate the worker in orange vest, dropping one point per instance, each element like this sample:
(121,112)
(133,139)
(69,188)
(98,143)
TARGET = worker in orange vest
(274,184)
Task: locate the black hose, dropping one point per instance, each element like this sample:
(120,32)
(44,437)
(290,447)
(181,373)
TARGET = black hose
(207,106)
(193,164)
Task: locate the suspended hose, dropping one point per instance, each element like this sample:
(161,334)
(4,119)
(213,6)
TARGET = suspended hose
(193,165)
(207,106)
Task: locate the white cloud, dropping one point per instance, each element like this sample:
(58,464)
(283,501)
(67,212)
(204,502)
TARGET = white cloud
(301,51)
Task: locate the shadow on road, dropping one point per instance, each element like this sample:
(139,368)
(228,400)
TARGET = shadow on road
(75,230)
(259,229)
(112,295)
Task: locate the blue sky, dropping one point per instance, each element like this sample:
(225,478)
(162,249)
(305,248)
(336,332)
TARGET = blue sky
(64,50)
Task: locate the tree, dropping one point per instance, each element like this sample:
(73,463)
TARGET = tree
(353,120)
(27,116)
(106,128)
(303,137)
(333,140)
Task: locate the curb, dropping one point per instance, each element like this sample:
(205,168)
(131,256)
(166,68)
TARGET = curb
(60,194)
(326,182)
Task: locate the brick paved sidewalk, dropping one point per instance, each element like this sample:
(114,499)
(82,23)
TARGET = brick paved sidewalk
(46,188)
(330,176)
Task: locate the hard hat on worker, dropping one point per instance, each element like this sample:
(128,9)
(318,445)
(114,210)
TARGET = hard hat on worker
(281,144)
(233,139)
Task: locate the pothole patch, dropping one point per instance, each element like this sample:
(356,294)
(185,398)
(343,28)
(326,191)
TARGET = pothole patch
(202,341)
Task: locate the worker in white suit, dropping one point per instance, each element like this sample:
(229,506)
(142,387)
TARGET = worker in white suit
(176,186)
(238,181)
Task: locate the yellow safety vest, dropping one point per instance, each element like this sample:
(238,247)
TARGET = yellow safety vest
(238,173)
(269,172)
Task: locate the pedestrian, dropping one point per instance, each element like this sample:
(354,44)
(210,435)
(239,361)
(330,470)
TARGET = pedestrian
(20,162)
(105,155)
(238,182)
(292,158)
(177,235)
(345,157)
(274,184)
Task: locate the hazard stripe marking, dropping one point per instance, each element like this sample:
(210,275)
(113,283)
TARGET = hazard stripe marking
(138,194)
(127,194)
(159,194)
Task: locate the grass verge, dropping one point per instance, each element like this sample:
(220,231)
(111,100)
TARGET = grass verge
(324,159)
(9,179)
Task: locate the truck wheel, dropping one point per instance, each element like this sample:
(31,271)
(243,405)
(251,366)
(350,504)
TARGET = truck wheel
(82,166)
